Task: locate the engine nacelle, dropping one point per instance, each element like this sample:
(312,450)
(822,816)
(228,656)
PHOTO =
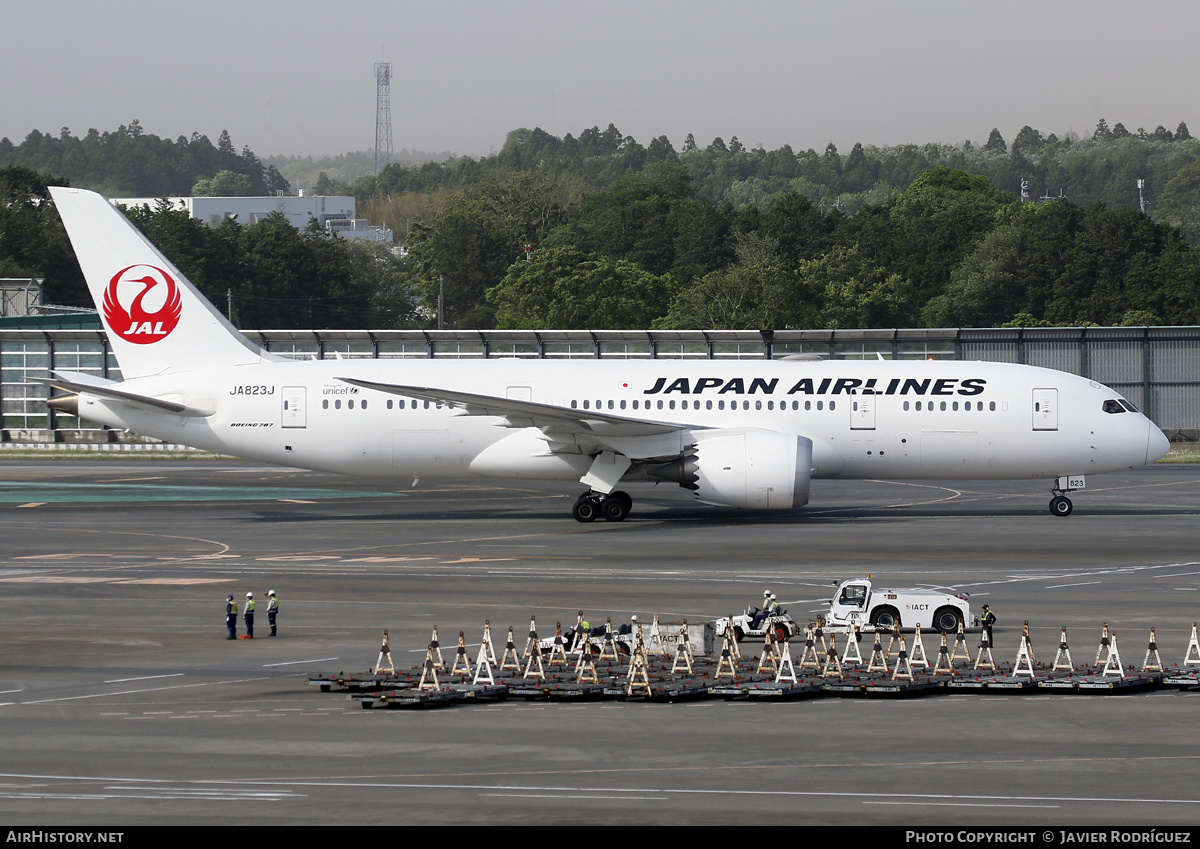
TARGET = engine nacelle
(759,469)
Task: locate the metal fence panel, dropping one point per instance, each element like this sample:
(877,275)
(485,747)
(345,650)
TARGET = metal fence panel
(1156,368)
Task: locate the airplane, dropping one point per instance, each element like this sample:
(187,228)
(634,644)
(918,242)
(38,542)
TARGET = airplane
(746,434)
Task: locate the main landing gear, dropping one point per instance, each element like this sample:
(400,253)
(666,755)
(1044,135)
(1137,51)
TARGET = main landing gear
(614,507)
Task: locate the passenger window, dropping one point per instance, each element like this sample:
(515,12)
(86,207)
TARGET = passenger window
(820,405)
(832,405)
(622,403)
(325,404)
(672,405)
(660,403)
(758,405)
(721,404)
(364,403)
(906,405)
(808,405)
(992,406)
(708,405)
(337,405)
(350,404)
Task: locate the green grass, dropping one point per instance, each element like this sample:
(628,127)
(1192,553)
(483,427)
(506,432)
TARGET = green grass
(1183,453)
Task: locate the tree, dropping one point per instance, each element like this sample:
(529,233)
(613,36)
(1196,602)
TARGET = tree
(762,296)
(857,292)
(566,288)
(33,242)
(1027,139)
(996,142)
(226,184)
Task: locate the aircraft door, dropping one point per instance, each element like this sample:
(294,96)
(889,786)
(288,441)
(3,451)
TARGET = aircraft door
(862,412)
(294,414)
(1045,409)
(519,393)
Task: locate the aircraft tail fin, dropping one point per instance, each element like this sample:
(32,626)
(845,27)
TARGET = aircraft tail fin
(157,322)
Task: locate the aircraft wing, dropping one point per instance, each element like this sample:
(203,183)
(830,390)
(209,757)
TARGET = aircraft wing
(521,414)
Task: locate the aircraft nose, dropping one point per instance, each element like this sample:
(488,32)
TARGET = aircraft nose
(1157,444)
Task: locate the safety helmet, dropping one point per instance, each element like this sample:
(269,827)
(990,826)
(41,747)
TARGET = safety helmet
(270,592)
(633,618)
(249,595)
(229,598)
(766,593)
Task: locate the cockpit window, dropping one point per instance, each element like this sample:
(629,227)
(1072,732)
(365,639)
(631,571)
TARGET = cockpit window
(1129,406)
(1111,406)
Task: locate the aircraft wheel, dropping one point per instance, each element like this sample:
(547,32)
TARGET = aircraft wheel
(615,508)
(585,509)
(1060,505)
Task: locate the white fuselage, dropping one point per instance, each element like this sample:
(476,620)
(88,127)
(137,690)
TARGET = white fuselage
(866,419)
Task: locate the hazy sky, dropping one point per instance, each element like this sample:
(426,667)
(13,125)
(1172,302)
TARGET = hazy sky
(297,77)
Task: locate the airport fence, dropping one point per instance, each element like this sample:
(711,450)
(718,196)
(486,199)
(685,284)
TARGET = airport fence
(1156,368)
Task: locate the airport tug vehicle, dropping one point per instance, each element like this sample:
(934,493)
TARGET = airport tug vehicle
(858,604)
(744,625)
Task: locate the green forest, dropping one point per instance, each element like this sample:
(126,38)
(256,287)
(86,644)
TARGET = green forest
(601,232)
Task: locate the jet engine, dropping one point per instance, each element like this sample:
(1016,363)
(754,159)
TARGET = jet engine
(758,469)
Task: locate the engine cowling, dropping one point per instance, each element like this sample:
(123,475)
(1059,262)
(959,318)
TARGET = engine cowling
(758,469)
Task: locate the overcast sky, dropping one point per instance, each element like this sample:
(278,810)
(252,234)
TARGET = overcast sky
(297,77)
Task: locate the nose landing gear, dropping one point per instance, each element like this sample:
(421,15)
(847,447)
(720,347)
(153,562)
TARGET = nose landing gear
(614,507)
(1060,505)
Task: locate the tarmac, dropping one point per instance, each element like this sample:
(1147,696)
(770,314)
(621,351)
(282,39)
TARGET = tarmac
(122,703)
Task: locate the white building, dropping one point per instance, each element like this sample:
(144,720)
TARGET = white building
(334,213)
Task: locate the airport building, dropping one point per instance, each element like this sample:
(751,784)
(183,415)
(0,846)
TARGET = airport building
(1156,368)
(337,214)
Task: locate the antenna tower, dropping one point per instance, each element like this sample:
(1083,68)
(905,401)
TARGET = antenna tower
(383,115)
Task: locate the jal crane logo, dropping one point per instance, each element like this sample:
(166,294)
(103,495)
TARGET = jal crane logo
(142,304)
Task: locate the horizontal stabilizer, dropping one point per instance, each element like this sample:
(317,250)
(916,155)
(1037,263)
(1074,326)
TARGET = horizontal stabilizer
(106,390)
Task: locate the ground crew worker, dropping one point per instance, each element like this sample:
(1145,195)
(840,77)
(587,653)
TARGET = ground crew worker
(272,609)
(248,616)
(987,619)
(231,617)
(762,614)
